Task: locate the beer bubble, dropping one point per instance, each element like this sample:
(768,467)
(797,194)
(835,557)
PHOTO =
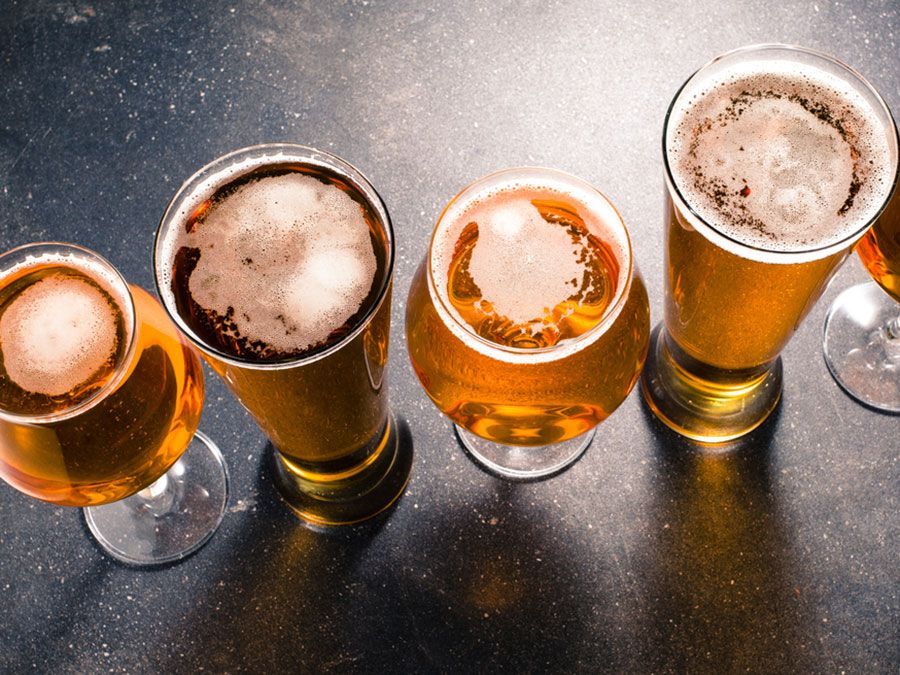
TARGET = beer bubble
(56,334)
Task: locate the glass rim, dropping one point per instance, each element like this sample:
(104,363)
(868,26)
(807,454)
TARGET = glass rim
(302,154)
(833,246)
(121,368)
(610,313)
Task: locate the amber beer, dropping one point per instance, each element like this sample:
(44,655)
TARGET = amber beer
(879,250)
(276,261)
(527,323)
(99,396)
(777,161)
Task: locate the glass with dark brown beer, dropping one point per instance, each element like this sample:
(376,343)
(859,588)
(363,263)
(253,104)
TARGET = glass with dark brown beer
(276,261)
(527,323)
(777,160)
(99,400)
(862,330)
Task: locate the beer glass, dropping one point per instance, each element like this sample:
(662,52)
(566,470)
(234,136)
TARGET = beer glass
(276,261)
(99,404)
(777,160)
(862,329)
(527,322)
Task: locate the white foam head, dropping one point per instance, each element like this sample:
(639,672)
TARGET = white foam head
(58,333)
(523,264)
(289,253)
(779,155)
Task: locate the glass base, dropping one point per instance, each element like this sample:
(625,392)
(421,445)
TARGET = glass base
(523,463)
(861,350)
(706,404)
(353,495)
(171,518)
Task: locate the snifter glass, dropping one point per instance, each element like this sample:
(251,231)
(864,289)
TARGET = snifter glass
(528,412)
(153,487)
(714,370)
(337,456)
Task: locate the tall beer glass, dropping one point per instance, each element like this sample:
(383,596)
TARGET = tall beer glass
(276,261)
(777,160)
(99,404)
(862,330)
(527,323)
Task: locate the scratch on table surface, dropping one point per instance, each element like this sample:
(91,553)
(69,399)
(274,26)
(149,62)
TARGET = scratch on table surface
(421,643)
(837,411)
(277,87)
(24,150)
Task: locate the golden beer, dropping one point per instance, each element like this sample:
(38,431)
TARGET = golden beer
(277,261)
(99,395)
(777,161)
(527,323)
(730,312)
(879,250)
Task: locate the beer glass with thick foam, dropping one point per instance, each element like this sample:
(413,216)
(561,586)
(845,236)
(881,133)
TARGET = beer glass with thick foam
(862,330)
(777,160)
(276,261)
(100,398)
(527,323)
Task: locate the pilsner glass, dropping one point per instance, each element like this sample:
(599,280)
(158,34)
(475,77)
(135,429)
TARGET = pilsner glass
(777,160)
(100,398)
(527,322)
(276,261)
(862,330)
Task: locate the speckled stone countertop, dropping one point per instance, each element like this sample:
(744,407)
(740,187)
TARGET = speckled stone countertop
(649,555)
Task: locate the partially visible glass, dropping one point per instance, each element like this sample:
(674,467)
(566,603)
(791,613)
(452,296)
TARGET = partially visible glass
(778,159)
(100,399)
(862,330)
(277,262)
(527,322)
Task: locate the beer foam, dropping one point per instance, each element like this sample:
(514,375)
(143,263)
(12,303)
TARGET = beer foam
(56,334)
(523,264)
(288,258)
(779,156)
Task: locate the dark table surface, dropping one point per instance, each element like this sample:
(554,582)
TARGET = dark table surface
(649,555)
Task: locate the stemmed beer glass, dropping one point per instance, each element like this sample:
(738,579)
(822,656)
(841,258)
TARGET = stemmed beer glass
(527,321)
(99,404)
(862,329)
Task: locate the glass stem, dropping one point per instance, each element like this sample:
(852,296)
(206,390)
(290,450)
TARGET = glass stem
(161,496)
(893,328)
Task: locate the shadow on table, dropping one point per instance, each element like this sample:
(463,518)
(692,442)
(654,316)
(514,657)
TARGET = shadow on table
(425,591)
(503,588)
(720,568)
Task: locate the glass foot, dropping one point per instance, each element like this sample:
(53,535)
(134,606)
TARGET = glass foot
(523,463)
(353,495)
(171,518)
(706,404)
(861,347)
